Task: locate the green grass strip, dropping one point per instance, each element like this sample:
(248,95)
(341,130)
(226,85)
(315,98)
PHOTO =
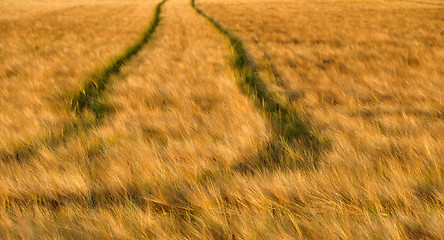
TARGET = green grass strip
(287,125)
(87,100)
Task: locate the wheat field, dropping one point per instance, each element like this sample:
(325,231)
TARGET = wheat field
(210,119)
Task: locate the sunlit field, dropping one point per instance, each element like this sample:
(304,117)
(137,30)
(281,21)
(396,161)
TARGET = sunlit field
(241,119)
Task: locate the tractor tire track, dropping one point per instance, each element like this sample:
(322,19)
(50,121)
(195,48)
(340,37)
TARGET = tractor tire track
(87,104)
(183,106)
(287,125)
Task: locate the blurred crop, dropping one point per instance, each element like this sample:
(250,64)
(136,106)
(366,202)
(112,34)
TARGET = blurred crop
(210,119)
